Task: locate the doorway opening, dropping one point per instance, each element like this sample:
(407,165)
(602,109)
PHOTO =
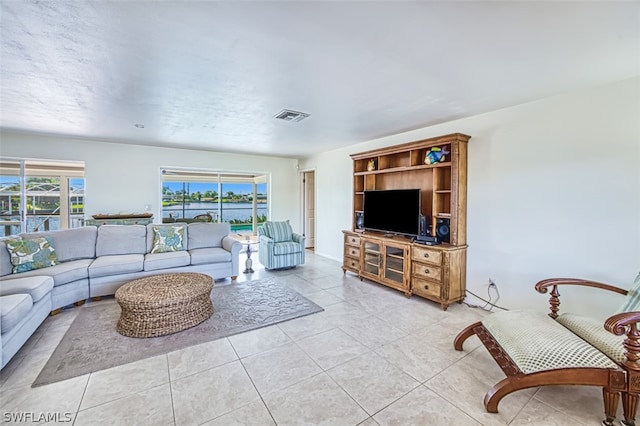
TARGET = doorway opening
(308,185)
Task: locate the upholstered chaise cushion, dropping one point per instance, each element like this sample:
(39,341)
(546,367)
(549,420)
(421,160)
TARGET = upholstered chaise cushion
(593,332)
(535,342)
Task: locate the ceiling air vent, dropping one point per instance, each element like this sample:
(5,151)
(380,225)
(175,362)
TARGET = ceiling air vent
(288,115)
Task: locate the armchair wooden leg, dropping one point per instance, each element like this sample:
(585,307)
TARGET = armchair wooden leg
(611,399)
(629,407)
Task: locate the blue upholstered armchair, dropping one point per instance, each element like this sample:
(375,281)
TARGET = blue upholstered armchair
(280,247)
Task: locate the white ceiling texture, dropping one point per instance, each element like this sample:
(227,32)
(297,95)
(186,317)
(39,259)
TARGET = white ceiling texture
(212,74)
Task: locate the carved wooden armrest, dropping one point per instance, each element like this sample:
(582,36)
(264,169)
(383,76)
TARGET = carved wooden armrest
(554,301)
(626,323)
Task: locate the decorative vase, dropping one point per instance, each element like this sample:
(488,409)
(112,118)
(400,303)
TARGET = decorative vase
(371,165)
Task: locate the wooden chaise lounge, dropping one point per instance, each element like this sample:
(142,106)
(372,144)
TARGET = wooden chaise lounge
(534,349)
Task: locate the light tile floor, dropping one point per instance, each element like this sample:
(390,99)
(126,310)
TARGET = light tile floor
(373,357)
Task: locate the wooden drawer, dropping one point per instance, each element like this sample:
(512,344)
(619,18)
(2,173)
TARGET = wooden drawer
(425,288)
(426,271)
(352,240)
(351,263)
(422,254)
(352,251)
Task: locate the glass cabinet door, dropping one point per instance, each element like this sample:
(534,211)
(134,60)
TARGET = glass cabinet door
(394,258)
(372,259)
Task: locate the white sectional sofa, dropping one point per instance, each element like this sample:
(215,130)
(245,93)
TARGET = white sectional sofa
(95,261)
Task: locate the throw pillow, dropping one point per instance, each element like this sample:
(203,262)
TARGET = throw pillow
(167,239)
(279,231)
(28,254)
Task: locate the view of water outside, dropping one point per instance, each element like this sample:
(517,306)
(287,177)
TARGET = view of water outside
(189,199)
(180,199)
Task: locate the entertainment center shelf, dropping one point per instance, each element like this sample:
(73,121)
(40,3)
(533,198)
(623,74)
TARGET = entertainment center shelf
(437,167)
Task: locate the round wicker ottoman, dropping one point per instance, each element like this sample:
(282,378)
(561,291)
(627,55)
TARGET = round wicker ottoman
(164,304)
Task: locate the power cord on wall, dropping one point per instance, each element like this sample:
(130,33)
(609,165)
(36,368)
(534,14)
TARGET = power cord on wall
(491,302)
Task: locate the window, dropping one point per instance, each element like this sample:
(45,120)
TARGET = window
(237,198)
(40,195)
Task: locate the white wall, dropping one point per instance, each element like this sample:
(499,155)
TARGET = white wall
(554,190)
(125,178)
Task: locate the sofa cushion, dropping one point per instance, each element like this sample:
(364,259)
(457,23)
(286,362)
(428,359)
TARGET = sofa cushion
(279,231)
(202,234)
(71,244)
(36,287)
(155,261)
(286,248)
(167,238)
(63,273)
(13,309)
(121,239)
(32,253)
(116,264)
(209,255)
(150,234)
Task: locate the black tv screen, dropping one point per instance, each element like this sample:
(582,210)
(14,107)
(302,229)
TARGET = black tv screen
(394,210)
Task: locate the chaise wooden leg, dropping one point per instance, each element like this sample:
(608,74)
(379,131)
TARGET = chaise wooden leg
(611,399)
(464,335)
(233,278)
(55,311)
(79,302)
(629,407)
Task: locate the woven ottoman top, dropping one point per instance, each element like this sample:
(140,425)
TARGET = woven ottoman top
(164,289)
(164,304)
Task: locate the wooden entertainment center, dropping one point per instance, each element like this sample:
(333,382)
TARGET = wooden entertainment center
(435,272)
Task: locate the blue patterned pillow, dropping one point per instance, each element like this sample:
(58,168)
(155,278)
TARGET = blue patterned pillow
(32,253)
(167,239)
(279,231)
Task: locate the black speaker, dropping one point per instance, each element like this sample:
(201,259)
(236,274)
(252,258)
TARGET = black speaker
(443,229)
(359,220)
(425,226)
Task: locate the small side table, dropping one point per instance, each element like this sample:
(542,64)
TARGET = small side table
(249,263)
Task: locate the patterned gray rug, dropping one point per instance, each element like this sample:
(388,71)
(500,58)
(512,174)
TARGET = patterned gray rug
(92,342)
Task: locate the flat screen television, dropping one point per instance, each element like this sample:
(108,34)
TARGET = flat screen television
(395,211)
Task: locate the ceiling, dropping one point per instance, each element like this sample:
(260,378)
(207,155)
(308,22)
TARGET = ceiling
(211,74)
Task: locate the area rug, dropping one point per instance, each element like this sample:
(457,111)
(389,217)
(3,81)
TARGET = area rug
(92,342)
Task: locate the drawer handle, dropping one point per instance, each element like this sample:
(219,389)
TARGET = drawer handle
(426,270)
(426,286)
(353,240)
(426,255)
(353,252)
